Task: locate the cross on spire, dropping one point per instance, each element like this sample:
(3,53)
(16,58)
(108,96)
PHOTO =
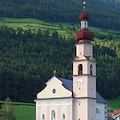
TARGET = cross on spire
(54,72)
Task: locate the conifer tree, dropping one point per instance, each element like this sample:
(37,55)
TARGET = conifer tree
(6,112)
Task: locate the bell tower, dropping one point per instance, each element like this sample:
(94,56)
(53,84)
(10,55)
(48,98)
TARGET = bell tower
(84,74)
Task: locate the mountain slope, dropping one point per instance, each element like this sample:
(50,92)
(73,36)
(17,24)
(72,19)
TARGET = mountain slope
(115,3)
(103,12)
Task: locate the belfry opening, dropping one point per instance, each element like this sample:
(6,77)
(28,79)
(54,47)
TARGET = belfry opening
(80,69)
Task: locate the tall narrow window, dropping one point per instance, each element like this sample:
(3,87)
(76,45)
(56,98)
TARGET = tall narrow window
(91,70)
(43,117)
(53,115)
(82,25)
(63,117)
(80,69)
(97,111)
(85,25)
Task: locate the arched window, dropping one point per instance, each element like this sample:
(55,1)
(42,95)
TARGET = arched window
(86,24)
(80,69)
(63,117)
(82,24)
(97,111)
(53,115)
(43,117)
(91,70)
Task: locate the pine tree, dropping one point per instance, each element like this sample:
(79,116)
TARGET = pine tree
(6,112)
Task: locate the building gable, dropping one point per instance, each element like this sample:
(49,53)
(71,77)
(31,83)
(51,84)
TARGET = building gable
(54,89)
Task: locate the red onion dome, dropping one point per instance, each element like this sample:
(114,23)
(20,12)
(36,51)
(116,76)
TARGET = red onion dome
(84,16)
(84,34)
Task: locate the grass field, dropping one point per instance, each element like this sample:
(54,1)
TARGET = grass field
(35,24)
(67,29)
(114,103)
(24,112)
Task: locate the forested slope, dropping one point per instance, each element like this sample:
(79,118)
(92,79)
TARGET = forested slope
(104,13)
(27,61)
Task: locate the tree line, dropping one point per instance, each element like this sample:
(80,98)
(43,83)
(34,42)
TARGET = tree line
(27,61)
(102,14)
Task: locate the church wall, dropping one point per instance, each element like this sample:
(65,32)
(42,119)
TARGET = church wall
(75,67)
(59,106)
(84,49)
(91,109)
(54,84)
(80,109)
(91,86)
(79,50)
(78,89)
(101,111)
(86,67)
(38,110)
(88,50)
(94,67)
(88,86)
(84,109)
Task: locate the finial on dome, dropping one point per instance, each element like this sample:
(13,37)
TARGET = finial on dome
(84,3)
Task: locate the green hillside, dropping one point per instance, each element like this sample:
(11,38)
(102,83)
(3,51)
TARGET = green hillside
(104,13)
(64,29)
(25,60)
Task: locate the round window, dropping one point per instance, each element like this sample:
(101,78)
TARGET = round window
(54,91)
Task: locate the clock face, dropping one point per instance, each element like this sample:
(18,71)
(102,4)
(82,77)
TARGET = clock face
(80,81)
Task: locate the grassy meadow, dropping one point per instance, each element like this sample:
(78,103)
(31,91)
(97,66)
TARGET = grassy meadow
(114,103)
(24,112)
(64,29)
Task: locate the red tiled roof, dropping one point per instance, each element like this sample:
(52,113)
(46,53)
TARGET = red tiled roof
(115,113)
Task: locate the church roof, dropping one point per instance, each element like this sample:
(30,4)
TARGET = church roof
(114,114)
(84,34)
(84,16)
(68,84)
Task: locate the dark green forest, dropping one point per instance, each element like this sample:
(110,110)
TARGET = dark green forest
(27,61)
(104,13)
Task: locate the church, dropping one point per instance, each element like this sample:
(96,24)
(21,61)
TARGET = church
(76,99)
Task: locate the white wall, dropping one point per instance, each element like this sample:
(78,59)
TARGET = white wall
(102,114)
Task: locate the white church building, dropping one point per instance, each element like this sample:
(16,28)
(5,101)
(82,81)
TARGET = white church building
(76,99)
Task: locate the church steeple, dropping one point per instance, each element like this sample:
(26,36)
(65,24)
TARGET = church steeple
(84,73)
(84,35)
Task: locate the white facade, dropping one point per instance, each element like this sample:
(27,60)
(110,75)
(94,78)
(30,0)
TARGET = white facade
(54,102)
(101,111)
(54,109)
